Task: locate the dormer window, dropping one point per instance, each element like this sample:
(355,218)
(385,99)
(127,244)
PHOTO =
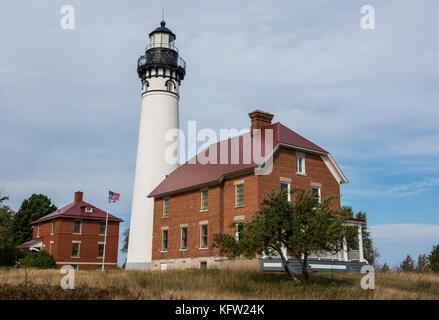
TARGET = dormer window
(170,86)
(89,209)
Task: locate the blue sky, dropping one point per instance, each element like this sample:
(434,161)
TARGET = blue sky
(70,99)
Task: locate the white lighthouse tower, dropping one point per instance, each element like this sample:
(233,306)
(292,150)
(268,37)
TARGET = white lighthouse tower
(161,71)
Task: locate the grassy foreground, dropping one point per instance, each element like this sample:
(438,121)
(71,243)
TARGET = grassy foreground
(212,284)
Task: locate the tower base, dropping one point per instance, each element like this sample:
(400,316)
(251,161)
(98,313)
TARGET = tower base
(142,266)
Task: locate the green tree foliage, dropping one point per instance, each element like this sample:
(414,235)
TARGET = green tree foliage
(126,239)
(33,208)
(8,252)
(433,259)
(38,260)
(385,268)
(408,265)
(302,225)
(423,265)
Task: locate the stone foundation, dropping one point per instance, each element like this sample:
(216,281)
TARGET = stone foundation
(211,263)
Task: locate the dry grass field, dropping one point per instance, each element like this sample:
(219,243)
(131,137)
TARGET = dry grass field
(212,284)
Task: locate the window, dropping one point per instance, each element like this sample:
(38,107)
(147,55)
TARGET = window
(204,200)
(102,227)
(183,241)
(100,250)
(75,249)
(165,207)
(203,236)
(51,247)
(285,186)
(238,229)
(164,240)
(99,267)
(203,264)
(88,209)
(239,195)
(74,266)
(38,230)
(169,86)
(300,163)
(316,193)
(78,226)
(52,230)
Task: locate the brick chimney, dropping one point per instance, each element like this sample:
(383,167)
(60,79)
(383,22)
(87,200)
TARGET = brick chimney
(260,119)
(78,196)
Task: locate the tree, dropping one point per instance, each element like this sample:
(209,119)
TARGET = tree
(33,208)
(302,226)
(423,264)
(39,260)
(408,265)
(126,239)
(385,268)
(8,252)
(433,259)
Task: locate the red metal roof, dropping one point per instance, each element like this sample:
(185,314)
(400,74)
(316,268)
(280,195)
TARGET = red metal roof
(193,173)
(76,210)
(29,243)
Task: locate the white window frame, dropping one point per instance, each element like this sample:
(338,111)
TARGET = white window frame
(103,244)
(288,189)
(237,184)
(50,247)
(319,194)
(181,238)
(38,230)
(238,222)
(206,191)
(79,249)
(88,209)
(167,240)
(165,200)
(300,155)
(201,236)
(80,226)
(52,230)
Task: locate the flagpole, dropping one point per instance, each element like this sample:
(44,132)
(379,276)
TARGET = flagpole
(106,227)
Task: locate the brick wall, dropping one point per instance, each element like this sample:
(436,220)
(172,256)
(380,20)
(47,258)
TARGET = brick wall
(89,237)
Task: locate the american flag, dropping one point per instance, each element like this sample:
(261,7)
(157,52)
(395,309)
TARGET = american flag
(113,196)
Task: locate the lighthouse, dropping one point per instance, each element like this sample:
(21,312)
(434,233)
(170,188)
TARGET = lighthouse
(161,71)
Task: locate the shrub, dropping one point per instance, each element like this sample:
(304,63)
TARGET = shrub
(385,268)
(433,259)
(39,260)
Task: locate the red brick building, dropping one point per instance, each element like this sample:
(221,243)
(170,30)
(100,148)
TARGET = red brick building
(75,234)
(198,200)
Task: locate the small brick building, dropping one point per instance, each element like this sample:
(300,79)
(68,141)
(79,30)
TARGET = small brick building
(198,200)
(75,234)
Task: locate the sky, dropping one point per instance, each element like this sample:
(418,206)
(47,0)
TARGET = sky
(70,99)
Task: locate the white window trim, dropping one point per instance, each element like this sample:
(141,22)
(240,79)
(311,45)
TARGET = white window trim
(100,222)
(181,237)
(50,247)
(80,227)
(163,209)
(201,198)
(38,230)
(236,228)
(167,238)
(52,227)
(301,155)
(288,189)
(236,194)
(99,243)
(79,249)
(201,235)
(319,193)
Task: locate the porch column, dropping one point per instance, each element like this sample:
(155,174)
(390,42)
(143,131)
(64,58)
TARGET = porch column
(345,250)
(360,243)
